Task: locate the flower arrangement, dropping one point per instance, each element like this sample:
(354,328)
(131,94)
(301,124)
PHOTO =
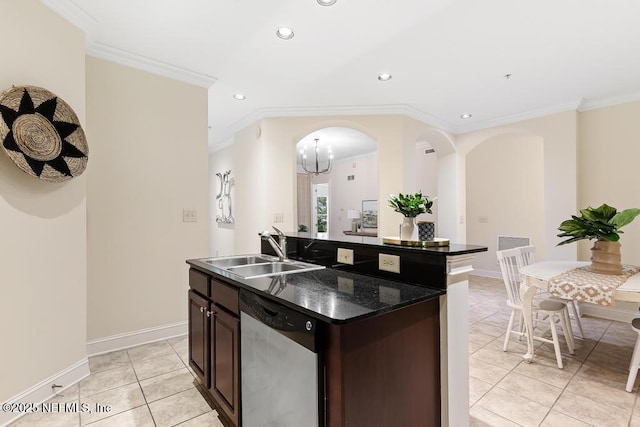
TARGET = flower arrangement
(411,205)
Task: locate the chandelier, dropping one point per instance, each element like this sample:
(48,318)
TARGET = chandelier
(317,170)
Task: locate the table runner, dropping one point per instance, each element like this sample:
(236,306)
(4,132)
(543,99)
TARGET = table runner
(583,285)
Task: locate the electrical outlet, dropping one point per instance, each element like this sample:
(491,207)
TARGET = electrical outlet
(278,217)
(345,256)
(189,215)
(483,219)
(389,263)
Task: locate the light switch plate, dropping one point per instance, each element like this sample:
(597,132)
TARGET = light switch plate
(278,217)
(189,215)
(389,263)
(345,256)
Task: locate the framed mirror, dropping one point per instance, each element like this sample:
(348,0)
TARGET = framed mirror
(369,214)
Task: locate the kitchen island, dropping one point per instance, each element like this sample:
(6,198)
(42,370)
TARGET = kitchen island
(383,337)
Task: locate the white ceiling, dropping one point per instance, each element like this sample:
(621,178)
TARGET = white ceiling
(447,57)
(345,143)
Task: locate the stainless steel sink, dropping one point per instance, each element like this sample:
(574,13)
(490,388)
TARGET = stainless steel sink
(251,266)
(226,262)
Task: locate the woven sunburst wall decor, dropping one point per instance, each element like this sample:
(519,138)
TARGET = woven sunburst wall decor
(41,134)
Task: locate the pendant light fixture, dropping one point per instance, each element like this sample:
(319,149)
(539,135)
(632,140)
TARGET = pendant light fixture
(316,171)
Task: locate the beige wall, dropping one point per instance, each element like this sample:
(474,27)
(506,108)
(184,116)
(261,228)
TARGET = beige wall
(608,155)
(505,194)
(43,228)
(266,176)
(149,152)
(559,133)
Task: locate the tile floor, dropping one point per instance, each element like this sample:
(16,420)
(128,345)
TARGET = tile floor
(506,391)
(151,385)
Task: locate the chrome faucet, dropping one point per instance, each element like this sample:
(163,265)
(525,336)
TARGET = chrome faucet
(281,247)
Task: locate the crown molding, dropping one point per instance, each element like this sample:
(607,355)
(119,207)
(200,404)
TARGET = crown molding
(513,118)
(593,104)
(73,13)
(123,57)
(77,16)
(262,113)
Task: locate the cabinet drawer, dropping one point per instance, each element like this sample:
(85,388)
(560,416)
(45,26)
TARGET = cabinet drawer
(225,295)
(199,282)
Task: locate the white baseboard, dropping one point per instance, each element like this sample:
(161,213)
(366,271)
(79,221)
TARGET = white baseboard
(132,339)
(487,273)
(43,391)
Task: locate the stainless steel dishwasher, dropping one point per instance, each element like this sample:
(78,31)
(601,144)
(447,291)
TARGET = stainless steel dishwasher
(281,374)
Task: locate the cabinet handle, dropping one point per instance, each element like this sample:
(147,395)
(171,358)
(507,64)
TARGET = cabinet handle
(209,313)
(201,309)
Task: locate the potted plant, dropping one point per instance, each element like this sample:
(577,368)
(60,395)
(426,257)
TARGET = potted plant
(603,225)
(410,205)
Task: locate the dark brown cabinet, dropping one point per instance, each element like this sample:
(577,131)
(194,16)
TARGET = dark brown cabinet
(198,335)
(214,334)
(224,361)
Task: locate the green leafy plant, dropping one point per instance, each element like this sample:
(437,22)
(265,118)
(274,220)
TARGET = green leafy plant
(411,205)
(602,223)
(302,228)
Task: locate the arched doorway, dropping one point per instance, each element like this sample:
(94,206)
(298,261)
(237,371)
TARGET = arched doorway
(330,199)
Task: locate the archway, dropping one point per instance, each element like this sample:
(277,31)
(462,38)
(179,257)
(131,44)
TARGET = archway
(339,187)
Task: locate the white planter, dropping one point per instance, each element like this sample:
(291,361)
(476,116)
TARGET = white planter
(408,229)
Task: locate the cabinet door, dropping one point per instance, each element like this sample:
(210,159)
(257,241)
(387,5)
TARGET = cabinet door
(198,335)
(225,360)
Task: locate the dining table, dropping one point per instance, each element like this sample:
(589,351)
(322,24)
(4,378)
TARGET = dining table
(574,280)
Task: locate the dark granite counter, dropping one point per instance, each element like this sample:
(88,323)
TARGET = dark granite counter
(329,294)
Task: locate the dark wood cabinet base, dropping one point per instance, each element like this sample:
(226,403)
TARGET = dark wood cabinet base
(385,371)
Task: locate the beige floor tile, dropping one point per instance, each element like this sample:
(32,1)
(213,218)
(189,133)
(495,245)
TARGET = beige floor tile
(591,412)
(479,417)
(167,384)
(486,372)
(149,351)
(515,408)
(138,417)
(210,419)
(477,389)
(542,372)
(49,419)
(617,397)
(635,416)
(497,357)
(558,419)
(117,400)
(481,338)
(105,380)
(178,408)
(103,362)
(147,368)
(530,388)
(487,328)
(473,347)
(603,375)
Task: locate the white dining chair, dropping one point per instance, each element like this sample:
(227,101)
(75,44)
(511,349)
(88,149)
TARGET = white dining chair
(527,257)
(635,358)
(551,311)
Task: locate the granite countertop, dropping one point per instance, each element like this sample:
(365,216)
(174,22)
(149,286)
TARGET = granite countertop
(328,294)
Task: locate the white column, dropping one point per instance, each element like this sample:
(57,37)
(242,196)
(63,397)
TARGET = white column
(454,342)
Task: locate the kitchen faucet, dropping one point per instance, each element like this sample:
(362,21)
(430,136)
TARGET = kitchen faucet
(281,247)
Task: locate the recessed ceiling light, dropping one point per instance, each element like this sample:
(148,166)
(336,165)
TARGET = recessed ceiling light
(285,33)
(327,2)
(466,116)
(239,97)
(384,77)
